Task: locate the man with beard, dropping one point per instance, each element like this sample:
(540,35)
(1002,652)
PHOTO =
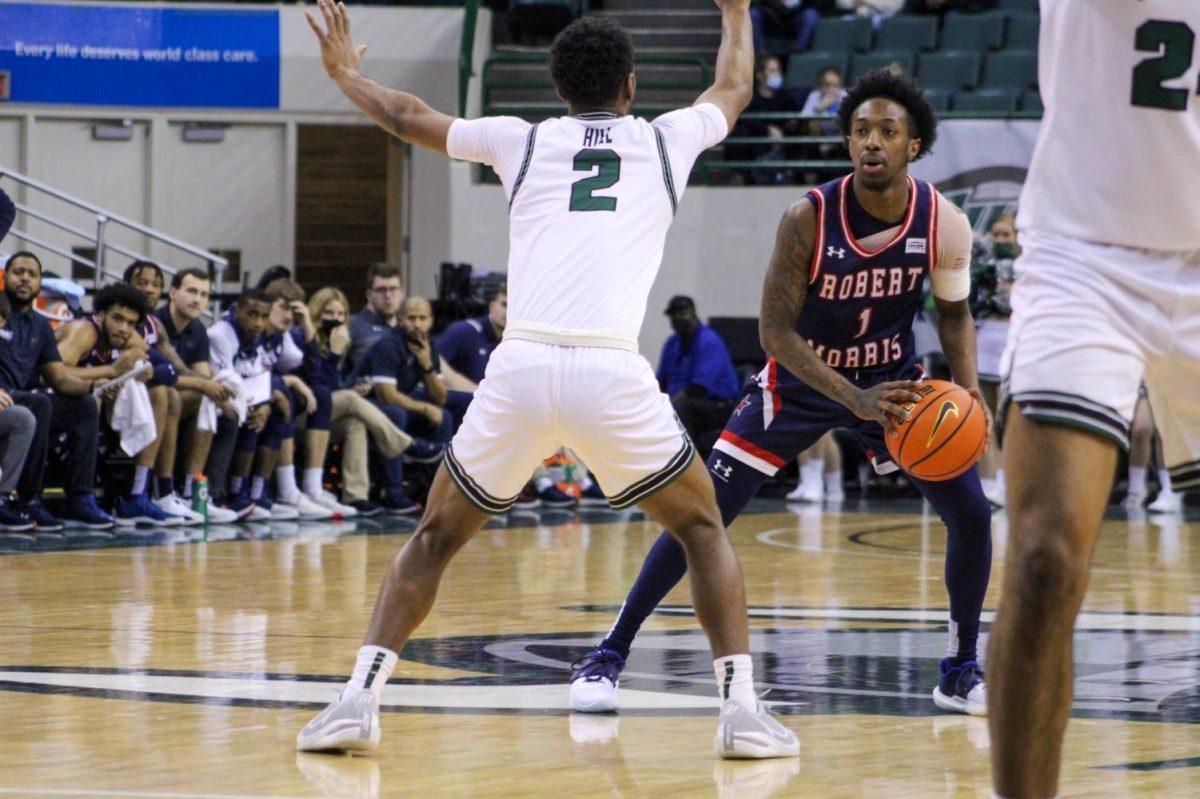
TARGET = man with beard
(28,351)
(105,346)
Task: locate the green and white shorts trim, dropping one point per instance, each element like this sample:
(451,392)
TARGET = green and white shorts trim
(1089,322)
(603,403)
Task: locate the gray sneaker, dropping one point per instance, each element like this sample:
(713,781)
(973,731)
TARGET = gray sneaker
(742,733)
(347,725)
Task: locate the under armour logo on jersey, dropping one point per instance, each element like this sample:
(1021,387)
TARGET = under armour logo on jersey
(916,246)
(840,252)
(721,470)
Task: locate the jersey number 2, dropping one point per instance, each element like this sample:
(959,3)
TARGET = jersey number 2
(1175,41)
(608,171)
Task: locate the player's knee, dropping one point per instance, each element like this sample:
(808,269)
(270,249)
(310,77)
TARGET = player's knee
(699,526)
(1050,569)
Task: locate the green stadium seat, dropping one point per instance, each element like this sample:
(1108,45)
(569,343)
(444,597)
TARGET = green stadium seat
(846,35)
(948,70)
(1022,32)
(1032,101)
(862,63)
(972,32)
(1010,69)
(802,68)
(905,32)
(1000,101)
(1020,6)
(938,98)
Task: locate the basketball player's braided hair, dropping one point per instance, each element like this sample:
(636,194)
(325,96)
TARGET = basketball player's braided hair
(900,89)
(589,62)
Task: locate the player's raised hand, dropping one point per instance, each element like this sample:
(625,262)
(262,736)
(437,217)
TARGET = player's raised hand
(884,402)
(338,53)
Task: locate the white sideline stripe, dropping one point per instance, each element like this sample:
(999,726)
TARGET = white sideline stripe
(482,697)
(1086,621)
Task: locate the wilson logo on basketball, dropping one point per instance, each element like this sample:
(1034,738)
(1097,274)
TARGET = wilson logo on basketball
(948,409)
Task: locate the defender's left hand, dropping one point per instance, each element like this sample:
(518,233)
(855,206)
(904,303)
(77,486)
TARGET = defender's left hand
(338,53)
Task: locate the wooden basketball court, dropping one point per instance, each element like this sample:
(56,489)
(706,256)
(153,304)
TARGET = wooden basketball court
(174,667)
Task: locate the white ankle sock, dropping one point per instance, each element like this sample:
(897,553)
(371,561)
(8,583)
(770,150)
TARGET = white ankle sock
(371,670)
(188,482)
(1164,479)
(735,680)
(235,484)
(811,472)
(833,482)
(140,475)
(1137,480)
(586,483)
(312,482)
(285,480)
(542,483)
(257,486)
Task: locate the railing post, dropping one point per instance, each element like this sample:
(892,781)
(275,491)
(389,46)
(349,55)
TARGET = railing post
(101,221)
(217,287)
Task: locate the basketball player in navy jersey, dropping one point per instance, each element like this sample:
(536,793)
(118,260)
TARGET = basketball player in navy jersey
(841,292)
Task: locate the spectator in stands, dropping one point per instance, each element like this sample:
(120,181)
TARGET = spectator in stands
(28,351)
(105,346)
(238,354)
(770,96)
(403,369)
(942,6)
(353,417)
(876,10)
(991,283)
(385,293)
(416,315)
(289,330)
(695,370)
(465,346)
(17,429)
(826,96)
(8,214)
(184,340)
(793,19)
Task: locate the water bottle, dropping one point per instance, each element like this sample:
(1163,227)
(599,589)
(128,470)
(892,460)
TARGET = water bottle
(200,496)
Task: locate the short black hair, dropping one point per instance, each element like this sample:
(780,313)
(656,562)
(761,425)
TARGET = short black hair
(590,60)
(255,295)
(121,295)
(384,270)
(136,267)
(901,89)
(23,254)
(192,271)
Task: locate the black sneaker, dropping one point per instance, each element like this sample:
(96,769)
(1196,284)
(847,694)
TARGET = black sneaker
(551,497)
(593,497)
(527,499)
(423,451)
(12,518)
(366,508)
(43,520)
(400,505)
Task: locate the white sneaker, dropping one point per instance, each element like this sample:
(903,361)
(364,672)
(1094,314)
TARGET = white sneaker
(219,515)
(174,505)
(327,500)
(347,725)
(258,513)
(280,511)
(1134,500)
(743,733)
(594,681)
(807,492)
(1167,501)
(305,508)
(836,494)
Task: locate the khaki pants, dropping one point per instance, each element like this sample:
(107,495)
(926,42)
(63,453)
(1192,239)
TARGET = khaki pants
(354,419)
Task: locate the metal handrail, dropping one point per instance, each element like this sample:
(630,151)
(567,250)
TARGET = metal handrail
(100,239)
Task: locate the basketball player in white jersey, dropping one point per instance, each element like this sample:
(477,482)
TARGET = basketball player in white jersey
(1107,290)
(591,196)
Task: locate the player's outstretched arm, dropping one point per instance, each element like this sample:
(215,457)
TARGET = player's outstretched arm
(784,293)
(734,83)
(403,115)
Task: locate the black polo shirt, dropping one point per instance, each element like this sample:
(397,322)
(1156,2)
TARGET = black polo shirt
(26,345)
(191,343)
(390,361)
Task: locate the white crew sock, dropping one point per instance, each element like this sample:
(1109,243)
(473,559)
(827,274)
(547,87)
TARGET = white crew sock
(810,473)
(188,482)
(735,680)
(285,479)
(140,475)
(371,671)
(235,484)
(833,482)
(1137,480)
(312,482)
(257,486)
(1164,480)
(586,483)
(542,483)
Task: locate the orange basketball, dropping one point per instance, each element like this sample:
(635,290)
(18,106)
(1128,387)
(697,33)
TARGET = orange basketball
(941,436)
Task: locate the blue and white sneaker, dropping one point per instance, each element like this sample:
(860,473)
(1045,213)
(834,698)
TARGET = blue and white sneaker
(594,681)
(276,511)
(962,688)
(82,511)
(399,504)
(552,497)
(43,520)
(140,509)
(422,451)
(13,518)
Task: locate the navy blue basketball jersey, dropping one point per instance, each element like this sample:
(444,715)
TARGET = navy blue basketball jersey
(861,304)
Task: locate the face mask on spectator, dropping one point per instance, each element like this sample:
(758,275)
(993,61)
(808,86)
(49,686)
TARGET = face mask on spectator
(329,325)
(775,82)
(1004,250)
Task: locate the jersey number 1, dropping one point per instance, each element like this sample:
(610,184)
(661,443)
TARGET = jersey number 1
(608,171)
(1175,41)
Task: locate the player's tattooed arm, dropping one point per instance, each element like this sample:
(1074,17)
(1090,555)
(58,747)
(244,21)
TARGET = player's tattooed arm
(404,115)
(784,294)
(956,333)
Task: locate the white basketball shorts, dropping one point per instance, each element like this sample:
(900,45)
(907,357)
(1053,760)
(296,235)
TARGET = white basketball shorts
(1089,320)
(603,403)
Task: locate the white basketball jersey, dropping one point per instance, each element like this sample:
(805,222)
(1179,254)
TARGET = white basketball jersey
(590,201)
(1118,154)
